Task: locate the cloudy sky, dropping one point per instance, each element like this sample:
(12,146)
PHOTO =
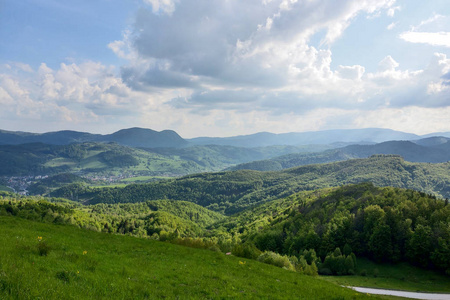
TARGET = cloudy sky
(224,67)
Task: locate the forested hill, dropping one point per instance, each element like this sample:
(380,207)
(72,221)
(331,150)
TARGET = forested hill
(135,137)
(230,192)
(384,224)
(434,150)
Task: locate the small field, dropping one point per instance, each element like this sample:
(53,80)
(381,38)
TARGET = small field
(395,277)
(63,262)
(5,188)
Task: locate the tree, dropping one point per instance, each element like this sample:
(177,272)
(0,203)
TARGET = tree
(419,247)
(380,243)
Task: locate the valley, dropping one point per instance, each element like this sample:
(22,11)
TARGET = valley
(356,215)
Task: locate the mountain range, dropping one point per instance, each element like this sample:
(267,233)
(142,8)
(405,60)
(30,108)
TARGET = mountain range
(147,138)
(430,150)
(134,137)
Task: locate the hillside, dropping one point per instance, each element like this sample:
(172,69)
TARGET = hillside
(45,159)
(383,224)
(62,262)
(230,192)
(135,137)
(298,233)
(433,150)
(113,159)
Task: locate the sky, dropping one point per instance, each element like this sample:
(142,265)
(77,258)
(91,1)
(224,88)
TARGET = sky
(224,67)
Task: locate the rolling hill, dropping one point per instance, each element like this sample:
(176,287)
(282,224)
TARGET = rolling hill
(63,262)
(231,192)
(135,137)
(102,158)
(88,158)
(369,135)
(433,150)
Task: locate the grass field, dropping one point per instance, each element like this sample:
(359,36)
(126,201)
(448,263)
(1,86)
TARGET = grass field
(5,188)
(49,261)
(396,277)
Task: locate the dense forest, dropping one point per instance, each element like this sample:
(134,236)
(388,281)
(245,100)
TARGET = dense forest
(383,224)
(312,231)
(231,192)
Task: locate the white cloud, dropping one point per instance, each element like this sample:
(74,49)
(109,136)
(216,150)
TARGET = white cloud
(232,67)
(428,21)
(387,64)
(166,6)
(391,11)
(431,38)
(392,25)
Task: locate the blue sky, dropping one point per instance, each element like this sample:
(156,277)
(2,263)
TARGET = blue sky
(221,68)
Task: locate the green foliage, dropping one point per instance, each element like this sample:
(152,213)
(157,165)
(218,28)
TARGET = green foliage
(91,265)
(246,251)
(272,258)
(232,192)
(384,224)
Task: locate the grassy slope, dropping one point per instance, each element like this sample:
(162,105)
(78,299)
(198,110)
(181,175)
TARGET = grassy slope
(123,267)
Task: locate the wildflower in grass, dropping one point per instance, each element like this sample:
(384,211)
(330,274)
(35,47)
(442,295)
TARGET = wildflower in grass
(84,252)
(242,262)
(39,238)
(228,253)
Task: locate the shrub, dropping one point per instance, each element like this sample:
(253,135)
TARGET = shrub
(246,251)
(276,259)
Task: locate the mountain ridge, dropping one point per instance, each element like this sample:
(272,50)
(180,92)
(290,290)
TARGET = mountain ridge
(148,138)
(134,137)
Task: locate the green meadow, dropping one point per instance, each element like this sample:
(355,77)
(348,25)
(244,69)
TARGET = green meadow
(47,261)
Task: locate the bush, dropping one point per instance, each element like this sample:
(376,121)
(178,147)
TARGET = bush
(276,259)
(363,272)
(246,251)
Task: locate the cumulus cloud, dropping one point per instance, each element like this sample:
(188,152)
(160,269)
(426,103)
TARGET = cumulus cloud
(72,93)
(222,67)
(255,53)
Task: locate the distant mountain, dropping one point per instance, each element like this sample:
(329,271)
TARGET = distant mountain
(140,137)
(434,141)
(134,137)
(410,151)
(444,134)
(369,135)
